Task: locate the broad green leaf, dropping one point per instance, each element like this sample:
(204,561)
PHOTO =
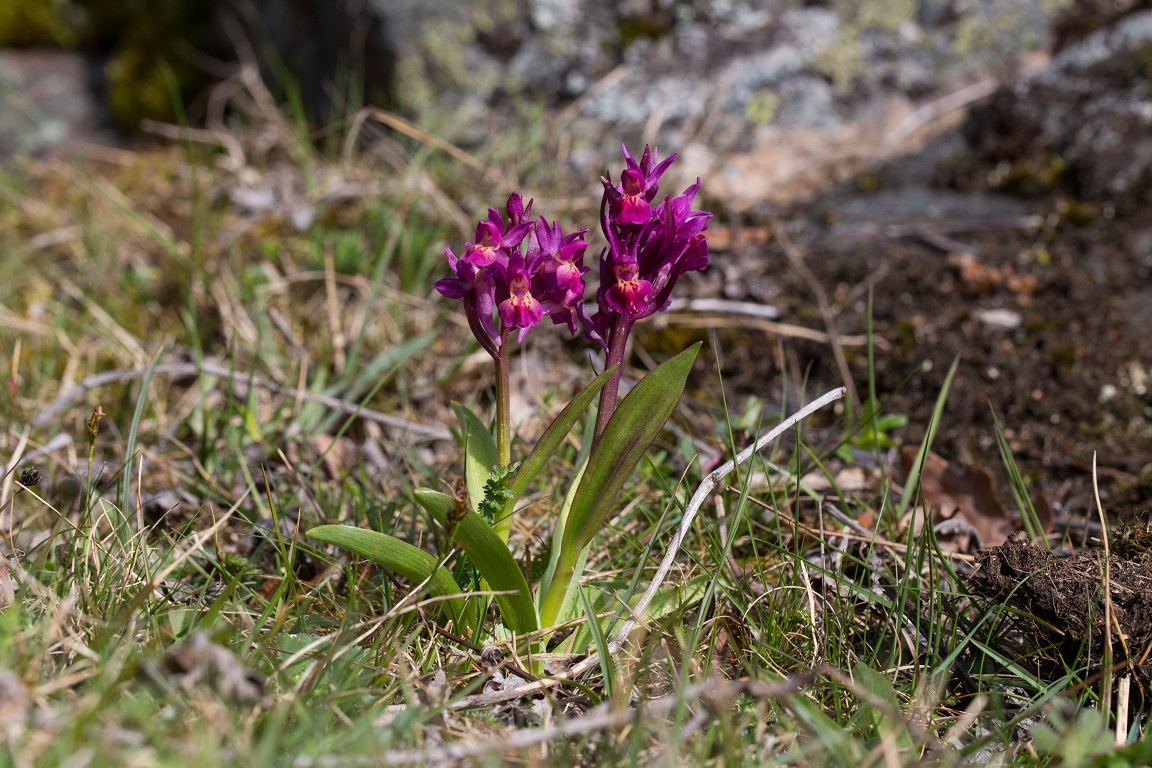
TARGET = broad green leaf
(389,552)
(635,424)
(479,453)
(489,554)
(554,435)
(562,518)
(881,688)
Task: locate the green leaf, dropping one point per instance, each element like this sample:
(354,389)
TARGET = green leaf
(389,552)
(568,603)
(489,554)
(479,453)
(635,424)
(554,435)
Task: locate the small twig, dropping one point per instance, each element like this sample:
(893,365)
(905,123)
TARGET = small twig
(408,128)
(726,307)
(863,534)
(932,111)
(477,651)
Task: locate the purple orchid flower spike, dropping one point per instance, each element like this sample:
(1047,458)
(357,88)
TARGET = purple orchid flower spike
(649,248)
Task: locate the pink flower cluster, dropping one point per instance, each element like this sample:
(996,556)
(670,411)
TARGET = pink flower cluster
(649,248)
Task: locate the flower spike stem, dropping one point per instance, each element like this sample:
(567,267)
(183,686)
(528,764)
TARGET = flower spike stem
(503,404)
(617,342)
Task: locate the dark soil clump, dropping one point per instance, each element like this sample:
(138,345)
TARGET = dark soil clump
(1069,608)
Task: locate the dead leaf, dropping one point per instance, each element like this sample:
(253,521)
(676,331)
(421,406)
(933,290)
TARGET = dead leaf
(960,490)
(1044,512)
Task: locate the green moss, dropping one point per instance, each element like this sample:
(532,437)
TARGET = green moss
(886,15)
(842,62)
(1033,175)
(869,181)
(762,106)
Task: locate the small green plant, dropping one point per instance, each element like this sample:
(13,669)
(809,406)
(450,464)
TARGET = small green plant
(875,430)
(507,289)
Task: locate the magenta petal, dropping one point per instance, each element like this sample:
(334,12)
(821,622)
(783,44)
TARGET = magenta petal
(568,278)
(633,210)
(629,297)
(696,258)
(521,312)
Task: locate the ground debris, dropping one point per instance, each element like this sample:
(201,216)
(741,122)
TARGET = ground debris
(1066,599)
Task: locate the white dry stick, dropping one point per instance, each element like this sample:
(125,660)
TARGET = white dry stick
(710,481)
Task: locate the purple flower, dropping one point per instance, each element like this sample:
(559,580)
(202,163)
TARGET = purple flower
(630,294)
(506,286)
(563,257)
(520,309)
(649,247)
(478,291)
(630,202)
(495,239)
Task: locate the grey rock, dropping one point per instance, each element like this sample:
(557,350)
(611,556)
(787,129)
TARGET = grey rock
(1089,111)
(46,98)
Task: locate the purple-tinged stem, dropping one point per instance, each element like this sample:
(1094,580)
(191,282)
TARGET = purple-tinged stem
(617,341)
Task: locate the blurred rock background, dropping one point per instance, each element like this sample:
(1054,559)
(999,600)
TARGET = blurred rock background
(775,99)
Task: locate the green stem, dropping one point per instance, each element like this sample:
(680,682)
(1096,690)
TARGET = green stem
(617,341)
(503,406)
(503,526)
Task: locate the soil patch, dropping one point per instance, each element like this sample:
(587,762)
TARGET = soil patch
(1076,606)
(1043,303)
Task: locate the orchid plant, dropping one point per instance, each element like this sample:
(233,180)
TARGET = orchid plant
(518,271)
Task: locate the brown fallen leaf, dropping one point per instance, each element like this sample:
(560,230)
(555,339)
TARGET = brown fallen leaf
(959,490)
